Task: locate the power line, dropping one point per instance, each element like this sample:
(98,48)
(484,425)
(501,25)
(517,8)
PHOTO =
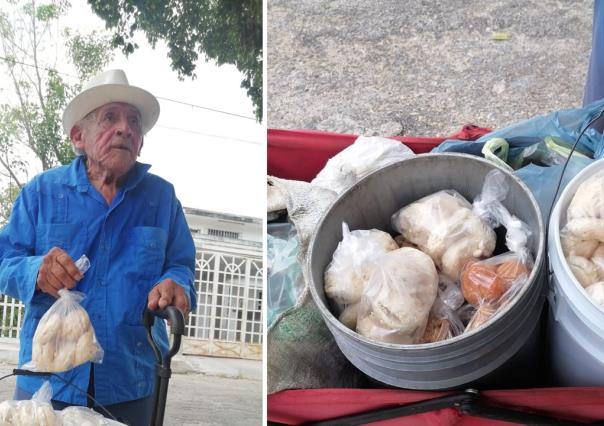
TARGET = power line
(158,97)
(210,135)
(171,100)
(209,109)
(34,66)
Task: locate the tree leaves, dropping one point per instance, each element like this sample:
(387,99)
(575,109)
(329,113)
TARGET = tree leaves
(30,116)
(8,196)
(227,31)
(89,53)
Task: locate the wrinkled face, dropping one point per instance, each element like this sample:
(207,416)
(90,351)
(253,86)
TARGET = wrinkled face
(111,138)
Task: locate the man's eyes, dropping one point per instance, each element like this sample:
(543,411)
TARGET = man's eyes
(111,117)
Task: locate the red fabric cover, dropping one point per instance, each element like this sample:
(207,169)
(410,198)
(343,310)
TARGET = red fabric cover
(301,154)
(298,406)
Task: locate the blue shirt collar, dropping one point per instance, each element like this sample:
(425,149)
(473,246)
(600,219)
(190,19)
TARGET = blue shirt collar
(76,175)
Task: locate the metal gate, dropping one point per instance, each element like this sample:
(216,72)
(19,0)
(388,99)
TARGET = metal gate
(11,315)
(228,319)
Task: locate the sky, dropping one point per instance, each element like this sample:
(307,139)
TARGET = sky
(215,161)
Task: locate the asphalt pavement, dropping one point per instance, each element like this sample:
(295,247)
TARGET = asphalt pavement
(423,68)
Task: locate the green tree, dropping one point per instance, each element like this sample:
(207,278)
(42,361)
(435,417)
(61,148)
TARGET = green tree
(8,195)
(36,93)
(227,31)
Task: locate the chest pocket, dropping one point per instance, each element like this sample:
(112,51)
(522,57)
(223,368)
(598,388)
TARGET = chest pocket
(148,247)
(71,237)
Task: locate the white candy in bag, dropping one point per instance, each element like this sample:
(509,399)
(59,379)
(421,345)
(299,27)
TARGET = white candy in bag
(82,416)
(64,337)
(397,299)
(352,262)
(35,411)
(443,226)
(582,237)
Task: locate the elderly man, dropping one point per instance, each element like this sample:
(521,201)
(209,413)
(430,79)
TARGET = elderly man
(132,228)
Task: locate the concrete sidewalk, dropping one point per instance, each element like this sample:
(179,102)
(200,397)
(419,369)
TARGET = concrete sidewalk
(181,364)
(195,399)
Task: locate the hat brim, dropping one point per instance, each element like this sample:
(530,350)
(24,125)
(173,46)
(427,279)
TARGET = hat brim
(97,96)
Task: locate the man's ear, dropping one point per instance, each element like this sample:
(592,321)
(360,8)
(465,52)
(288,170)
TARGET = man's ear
(76,137)
(141,147)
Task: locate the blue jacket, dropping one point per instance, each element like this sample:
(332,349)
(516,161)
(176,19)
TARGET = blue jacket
(135,243)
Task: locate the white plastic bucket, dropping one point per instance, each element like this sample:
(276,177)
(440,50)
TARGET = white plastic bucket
(576,323)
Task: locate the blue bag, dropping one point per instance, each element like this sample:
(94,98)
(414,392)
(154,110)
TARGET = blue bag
(563,127)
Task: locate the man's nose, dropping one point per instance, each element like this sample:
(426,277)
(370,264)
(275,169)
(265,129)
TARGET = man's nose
(123,128)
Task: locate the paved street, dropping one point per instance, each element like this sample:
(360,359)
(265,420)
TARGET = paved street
(196,399)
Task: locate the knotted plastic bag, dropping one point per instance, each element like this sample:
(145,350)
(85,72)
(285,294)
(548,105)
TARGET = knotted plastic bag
(487,281)
(364,156)
(488,206)
(82,416)
(396,302)
(444,322)
(35,412)
(443,226)
(352,263)
(64,337)
(490,285)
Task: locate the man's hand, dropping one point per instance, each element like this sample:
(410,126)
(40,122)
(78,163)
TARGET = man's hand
(167,293)
(57,271)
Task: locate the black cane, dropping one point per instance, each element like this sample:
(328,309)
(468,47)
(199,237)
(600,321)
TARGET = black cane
(162,368)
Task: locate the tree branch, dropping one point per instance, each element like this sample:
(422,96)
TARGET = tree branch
(35,57)
(26,122)
(7,167)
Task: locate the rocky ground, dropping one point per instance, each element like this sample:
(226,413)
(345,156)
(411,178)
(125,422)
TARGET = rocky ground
(423,68)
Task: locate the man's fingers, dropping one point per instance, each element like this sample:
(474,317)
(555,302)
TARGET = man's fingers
(57,271)
(69,266)
(180,301)
(61,274)
(168,293)
(153,299)
(53,281)
(167,296)
(51,285)
(48,289)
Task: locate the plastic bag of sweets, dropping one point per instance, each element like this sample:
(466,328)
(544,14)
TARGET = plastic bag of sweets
(64,337)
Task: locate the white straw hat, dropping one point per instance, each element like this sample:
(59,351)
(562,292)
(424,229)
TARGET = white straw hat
(111,86)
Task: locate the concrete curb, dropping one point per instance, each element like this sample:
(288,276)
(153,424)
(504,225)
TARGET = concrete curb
(220,367)
(181,364)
